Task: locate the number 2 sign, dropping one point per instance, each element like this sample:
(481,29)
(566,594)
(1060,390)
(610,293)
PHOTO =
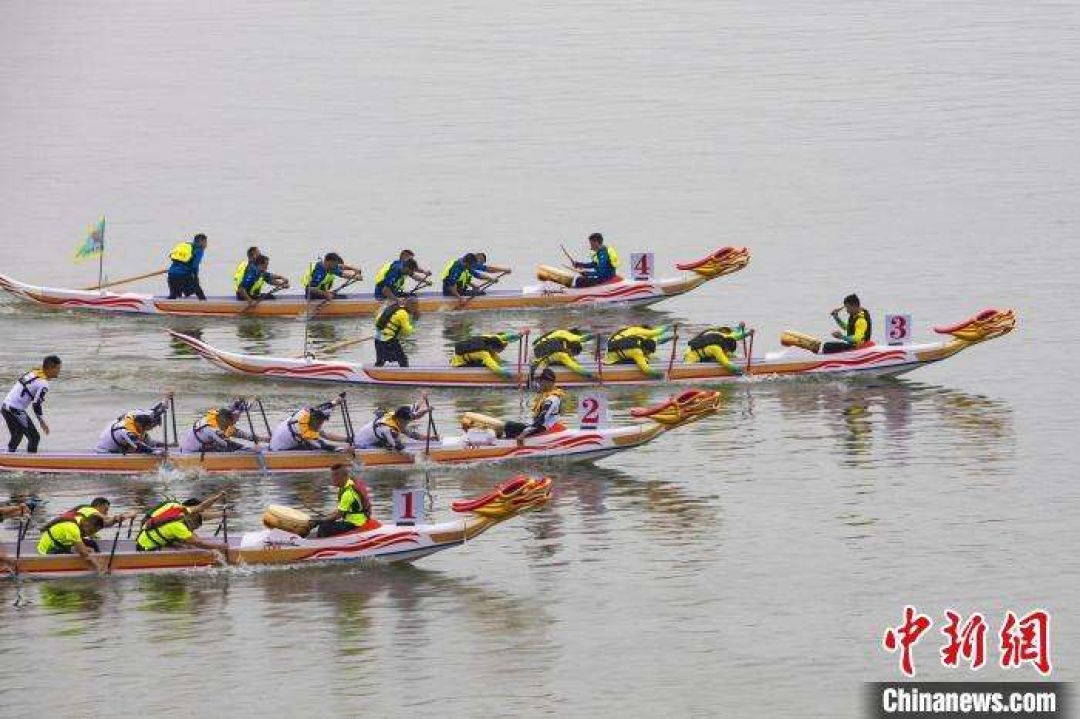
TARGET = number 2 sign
(642,265)
(897,329)
(408,506)
(592,410)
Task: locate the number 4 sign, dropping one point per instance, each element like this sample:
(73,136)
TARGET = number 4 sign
(408,506)
(642,265)
(592,411)
(897,329)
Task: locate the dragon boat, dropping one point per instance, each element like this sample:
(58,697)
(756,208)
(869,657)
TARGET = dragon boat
(551,292)
(869,360)
(478,444)
(276,546)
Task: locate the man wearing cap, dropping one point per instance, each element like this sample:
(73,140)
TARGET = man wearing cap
(385,430)
(217,431)
(129,434)
(303,430)
(545,408)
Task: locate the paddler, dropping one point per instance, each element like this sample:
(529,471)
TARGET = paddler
(130,433)
(483,351)
(390,279)
(217,431)
(636,345)
(353,506)
(303,430)
(386,430)
(545,409)
(7,511)
(854,332)
(602,266)
(256,275)
(457,277)
(484,271)
(560,347)
(717,344)
(318,281)
(68,534)
(98,506)
(29,391)
(184,270)
(391,324)
(172,524)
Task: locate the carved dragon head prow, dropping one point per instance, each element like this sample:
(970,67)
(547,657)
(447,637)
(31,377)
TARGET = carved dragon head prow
(508,499)
(683,408)
(987,325)
(717,264)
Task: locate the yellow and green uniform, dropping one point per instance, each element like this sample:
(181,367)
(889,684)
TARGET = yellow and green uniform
(393,323)
(456,274)
(559,347)
(708,346)
(391,275)
(164,527)
(482,351)
(858,328)
(351,504)
(605,262)
(634,345)
(59,536)
(318,277)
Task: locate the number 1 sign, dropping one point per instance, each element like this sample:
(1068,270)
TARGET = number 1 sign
(592,410)
(642,265)
(408,506)
(897,329)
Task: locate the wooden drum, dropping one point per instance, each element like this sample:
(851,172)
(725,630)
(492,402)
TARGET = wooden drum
(559,275)
(287,518)
(797,339)
(473,420)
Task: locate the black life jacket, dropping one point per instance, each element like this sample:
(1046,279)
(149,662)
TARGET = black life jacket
(546,346)
(485,343)
(624,343)
(384,317)
(869,325)
(710,337)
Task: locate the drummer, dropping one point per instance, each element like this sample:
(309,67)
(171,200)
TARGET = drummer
(217,431)
(636,345)
(603,265)
(855,332)
(353,509)
(172,525)
(560,347)
(545,408)
(717,344)
(129,434)
(390,279)
(483,351)
(303,430)
(385,431)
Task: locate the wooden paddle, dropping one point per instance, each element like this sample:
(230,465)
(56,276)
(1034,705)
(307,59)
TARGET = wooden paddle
(318,308)
(252,304)
(126,280)
(112,552)
(674,348)
(481,288)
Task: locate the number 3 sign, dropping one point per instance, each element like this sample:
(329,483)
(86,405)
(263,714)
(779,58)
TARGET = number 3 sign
(642,265)
(897,329)
(592,411)
(408,506)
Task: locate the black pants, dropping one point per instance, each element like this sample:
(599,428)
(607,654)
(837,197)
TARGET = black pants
(261,296)
(332,528)
(830,348)
(470,291)
(589,281)
(185,286)
(390,351)
(19,425)
(513,429)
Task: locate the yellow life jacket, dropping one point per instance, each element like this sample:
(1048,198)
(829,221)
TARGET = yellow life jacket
(300,426)
(129,424)
(464,277)
(355,514)
(182,252)
(539,400)
(390,421)
(238,279)
(613,257)
(325,284)
(399,282)
(211,421)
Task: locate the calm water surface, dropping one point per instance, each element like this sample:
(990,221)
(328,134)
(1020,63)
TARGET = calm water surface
(922,155)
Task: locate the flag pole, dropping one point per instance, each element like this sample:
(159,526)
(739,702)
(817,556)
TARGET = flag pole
(101,258)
